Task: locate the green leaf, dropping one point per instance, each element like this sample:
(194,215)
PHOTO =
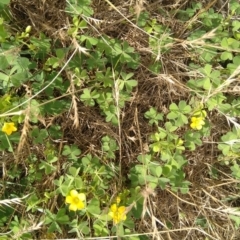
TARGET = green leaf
(55,107)
(72,152)
(39,135)
(216,100)
(60,53)
(92,41)
(4,77)
(54,131)
(145,159)
(86,160)
(62,217)
(162,133)
(4,62)
(236,25)
(47,167)
(166,170)
(96,60)
(233,43)
(64,189)
(130,84)
(54,227)
(208,55)
(208,69)
(88,97)
(73,171)
(184,107)
(192,139)
(142,19)
(226,55)
(78,182)
(83,228)
(163,182)
(140,169)
(207,84)
(235,171)
(152,181)
(126,76)
(23,63)
(94,206)
(172,115)
(3,32)
(52,62)
(233,66)
(18,78)
(5,2)
(153,115)
(155,170)
(156,147)
(173,107)
(236,219)
(169,127)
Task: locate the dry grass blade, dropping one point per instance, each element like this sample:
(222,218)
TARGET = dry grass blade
(74,101)
(24,135)
(139,7)
(9,202)
(232,78)
(34,227)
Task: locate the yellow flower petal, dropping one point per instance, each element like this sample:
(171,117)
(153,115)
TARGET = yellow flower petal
(82,196)
(193,119)
(117,213)
(111,214)
(122,209)
(118,200)
(114,208)
(73,193)
(116,220)
(199,127)
(197,123)
(73,207)
(80,205)
(193,125)
(8,128)
(69,199)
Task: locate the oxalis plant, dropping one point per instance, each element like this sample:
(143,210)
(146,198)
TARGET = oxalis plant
(91,193)
(165,161)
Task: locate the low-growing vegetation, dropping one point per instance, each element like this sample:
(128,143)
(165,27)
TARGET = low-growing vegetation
(120,119)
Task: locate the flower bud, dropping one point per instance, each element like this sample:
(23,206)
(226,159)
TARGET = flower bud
(28,29)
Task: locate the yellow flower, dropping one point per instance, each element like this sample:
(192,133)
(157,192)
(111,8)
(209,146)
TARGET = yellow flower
(118,214)
(76,200)
(118,200)
(197,123)
(8,128)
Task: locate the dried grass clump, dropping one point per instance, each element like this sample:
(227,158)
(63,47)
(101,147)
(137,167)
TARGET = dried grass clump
(44,16)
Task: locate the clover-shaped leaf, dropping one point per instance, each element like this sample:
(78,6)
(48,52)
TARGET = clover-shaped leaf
(72,152)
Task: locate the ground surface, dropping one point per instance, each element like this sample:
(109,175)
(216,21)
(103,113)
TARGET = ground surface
(162,77)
